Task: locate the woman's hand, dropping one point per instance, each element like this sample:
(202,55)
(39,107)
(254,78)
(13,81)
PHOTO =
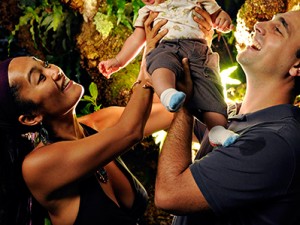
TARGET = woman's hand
(152,35)
(204,22)
(152,38)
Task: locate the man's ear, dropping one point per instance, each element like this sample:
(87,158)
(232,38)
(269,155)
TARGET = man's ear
(30,120)
(295,70)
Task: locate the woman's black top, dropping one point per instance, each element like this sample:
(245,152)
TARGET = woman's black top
(97,208)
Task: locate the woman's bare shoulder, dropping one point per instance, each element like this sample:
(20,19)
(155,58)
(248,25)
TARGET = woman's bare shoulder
(102,118)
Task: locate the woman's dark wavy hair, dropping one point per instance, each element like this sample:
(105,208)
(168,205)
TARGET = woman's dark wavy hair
(17,207)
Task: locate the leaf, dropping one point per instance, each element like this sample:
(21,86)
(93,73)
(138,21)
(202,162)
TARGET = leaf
(121,4)
(136,5)
(127,23)
(23,20)
(96,108)
(47,22)
(93,90)
(68,25)
(109,7)
(47,221)
(86,109)
(31,29)
(57,16)
(87,98)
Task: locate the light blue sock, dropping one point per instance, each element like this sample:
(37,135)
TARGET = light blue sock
(218,135)
(172,99)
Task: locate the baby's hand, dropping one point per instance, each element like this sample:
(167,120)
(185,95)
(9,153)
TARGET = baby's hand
(223,23)
(109,67)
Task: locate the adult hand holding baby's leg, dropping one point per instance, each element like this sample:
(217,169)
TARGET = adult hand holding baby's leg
(186,84)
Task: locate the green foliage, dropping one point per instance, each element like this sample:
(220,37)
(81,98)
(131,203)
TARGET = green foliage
(45,19)
(228,4)
(91,100)
(126,11)
(47,222)
(53,27)
(103,24)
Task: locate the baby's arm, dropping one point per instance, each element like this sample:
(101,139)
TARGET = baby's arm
(222,21)
(130,49)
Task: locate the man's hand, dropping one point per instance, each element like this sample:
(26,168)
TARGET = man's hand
(152,35)
(144,75)
(186,84)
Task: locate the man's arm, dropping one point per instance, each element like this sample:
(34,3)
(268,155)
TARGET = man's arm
(176,190)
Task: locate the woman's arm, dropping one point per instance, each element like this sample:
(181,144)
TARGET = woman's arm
(159,118)
(65,162)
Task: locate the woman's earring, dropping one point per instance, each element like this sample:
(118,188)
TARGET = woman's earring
(33,137)
(44,137)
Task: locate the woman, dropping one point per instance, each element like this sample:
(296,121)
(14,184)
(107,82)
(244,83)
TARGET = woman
(73,172)
(63,168)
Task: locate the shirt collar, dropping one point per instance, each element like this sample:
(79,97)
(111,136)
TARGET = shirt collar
(278,112)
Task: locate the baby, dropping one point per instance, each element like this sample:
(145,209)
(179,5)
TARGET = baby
(183,40)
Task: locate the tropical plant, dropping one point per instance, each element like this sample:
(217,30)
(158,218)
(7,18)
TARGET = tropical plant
(126,11)
(91,100)
(50,23)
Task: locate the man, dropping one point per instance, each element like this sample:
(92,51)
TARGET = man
(256,180)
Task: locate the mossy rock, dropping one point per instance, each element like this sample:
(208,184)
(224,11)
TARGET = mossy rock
(93,48)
